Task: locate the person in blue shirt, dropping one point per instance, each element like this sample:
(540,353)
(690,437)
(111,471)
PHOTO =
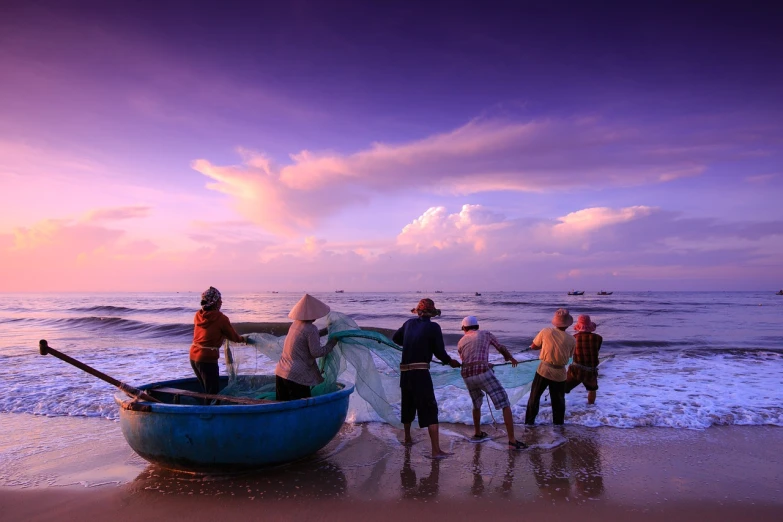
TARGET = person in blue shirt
(420,339)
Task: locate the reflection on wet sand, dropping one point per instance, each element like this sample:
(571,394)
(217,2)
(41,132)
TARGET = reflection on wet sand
(588,477)
(558,467)
(427,487)
(551,472)
(299,480)
(506,486)
(477,488)
(579,459)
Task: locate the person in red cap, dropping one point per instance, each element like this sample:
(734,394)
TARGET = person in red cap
(584,367)
(420,339)
(556,347)
(210,328)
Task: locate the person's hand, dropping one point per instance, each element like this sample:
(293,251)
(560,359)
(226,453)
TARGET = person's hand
(454,363)
(513,362)
(246,339)
(331,343)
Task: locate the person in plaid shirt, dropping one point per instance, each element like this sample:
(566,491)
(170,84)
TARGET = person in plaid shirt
(584,367)
(479,378)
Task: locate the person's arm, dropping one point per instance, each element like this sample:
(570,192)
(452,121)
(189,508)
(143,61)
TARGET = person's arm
(493,341)
(229,333)
(399,335)
(439,348)
(538,341)
(314,344)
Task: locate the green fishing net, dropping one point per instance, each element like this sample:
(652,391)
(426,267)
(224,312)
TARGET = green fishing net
(366,358)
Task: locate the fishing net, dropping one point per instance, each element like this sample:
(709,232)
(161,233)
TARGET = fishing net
(368,359)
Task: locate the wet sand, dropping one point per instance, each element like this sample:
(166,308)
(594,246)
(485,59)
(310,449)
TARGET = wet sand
(79,468)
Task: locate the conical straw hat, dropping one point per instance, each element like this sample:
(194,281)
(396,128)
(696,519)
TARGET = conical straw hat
(308,309)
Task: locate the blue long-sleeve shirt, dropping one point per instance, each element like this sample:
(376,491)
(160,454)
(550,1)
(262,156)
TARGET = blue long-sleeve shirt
(420,339)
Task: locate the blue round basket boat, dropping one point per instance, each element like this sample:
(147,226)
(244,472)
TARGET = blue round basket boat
(228,438)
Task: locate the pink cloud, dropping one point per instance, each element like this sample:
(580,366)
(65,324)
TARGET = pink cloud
(594,218)
(117,214)
(483,155)
(470,248)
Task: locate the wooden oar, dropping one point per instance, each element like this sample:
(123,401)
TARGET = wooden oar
(45,349)
(222,398)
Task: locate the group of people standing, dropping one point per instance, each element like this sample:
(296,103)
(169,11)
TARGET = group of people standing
(421,339)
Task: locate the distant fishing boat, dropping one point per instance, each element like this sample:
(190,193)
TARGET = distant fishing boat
(438,291)
(339,291)
(605,293)
(274,292)
(478,294)
(576,292)
(780,293)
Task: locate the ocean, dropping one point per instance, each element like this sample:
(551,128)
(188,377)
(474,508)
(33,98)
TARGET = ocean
(672,359)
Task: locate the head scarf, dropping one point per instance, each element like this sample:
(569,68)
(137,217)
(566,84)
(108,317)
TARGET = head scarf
(210,297)
(426,308)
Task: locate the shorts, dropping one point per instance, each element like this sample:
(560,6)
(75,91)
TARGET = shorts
(577,376)
(418,399)
(486,382)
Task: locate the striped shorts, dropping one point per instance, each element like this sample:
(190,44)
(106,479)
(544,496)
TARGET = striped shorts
(486,382)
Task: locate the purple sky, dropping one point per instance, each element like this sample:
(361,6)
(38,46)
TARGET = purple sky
(324,145)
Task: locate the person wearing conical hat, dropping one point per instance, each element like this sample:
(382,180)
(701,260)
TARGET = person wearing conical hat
(210,328)
(297,371)
(584,367)
(420,339)
(556,347)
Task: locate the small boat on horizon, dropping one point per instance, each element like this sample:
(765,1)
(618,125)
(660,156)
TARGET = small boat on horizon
(478,294)
(605,293)
(339,291)
(576,292)
(780,293)
(438,291)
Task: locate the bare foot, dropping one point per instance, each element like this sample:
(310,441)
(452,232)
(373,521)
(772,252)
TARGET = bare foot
(440,455)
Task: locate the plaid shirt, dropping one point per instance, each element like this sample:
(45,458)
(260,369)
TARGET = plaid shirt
(587,346)
(473,349)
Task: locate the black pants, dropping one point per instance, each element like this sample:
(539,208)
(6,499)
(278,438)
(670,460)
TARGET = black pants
(556,395)
(208,374)
(289,390)
(418,398)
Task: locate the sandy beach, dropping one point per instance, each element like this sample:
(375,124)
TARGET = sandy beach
(79,468)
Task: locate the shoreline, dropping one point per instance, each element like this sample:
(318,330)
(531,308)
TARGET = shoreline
(63,468)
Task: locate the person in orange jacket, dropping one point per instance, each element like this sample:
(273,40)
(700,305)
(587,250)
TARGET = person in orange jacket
(211,328)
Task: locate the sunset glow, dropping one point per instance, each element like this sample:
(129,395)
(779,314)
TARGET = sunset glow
(302,147)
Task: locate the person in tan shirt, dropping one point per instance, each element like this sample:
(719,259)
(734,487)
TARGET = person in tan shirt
(557,347)
(210,328)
